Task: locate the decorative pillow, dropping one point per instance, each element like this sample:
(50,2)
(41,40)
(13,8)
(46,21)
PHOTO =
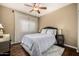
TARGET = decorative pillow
(44,31)
(51,31)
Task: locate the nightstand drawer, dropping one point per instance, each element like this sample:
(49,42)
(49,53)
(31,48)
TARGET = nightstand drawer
(61,42)
(60,37)
(4,46)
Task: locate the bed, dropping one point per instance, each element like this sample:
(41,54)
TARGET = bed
(37,44)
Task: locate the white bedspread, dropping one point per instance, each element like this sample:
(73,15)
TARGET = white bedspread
(38,43)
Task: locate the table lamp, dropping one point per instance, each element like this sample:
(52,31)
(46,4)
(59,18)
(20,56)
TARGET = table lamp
(60,31)
(1,31)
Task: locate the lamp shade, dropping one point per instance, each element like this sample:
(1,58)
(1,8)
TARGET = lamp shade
(60,31)
(1,26)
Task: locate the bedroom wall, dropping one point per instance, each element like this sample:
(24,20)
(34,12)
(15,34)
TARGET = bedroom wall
(7,19)
(65,18)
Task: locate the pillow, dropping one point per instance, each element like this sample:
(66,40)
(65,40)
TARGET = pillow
(51,31)
(44,31)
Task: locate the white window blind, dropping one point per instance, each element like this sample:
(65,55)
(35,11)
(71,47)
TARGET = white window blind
(24,24)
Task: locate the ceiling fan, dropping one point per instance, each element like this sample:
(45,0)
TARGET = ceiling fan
(36,7)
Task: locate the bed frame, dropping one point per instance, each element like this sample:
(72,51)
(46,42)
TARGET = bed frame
(49,27)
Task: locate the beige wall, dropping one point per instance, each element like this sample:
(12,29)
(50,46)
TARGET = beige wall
(7,19)
(0,14)
(65,18)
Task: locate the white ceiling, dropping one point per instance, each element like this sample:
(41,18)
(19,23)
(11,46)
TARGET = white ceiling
(20,7)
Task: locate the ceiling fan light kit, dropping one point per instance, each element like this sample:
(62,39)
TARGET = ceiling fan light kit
(36,7)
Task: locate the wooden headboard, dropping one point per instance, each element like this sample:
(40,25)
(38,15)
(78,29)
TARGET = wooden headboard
(49,27)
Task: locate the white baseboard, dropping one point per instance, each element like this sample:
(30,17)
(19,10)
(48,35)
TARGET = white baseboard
(14,42)
(70,46)
(77,51)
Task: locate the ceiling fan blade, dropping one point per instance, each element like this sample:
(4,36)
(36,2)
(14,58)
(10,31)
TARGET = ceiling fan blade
(43,7)
(34,4)
(38,11)
(27,5)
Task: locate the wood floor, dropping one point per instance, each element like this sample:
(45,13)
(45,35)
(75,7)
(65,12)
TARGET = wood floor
(17,50)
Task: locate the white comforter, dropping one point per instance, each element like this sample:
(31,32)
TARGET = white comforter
(38,43)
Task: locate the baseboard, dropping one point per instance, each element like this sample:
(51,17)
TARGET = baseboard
(14,42)
(70,46)
(77,51)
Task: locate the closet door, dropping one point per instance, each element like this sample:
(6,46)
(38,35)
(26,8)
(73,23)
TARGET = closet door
(24,24)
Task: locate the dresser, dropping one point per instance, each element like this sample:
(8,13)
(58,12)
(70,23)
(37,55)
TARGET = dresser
(5,44)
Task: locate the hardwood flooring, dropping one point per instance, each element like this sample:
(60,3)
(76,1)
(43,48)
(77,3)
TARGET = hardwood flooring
(17,50)
(70,52)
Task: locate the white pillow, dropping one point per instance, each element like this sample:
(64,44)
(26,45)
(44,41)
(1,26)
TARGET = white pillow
(44,31)
(51,31)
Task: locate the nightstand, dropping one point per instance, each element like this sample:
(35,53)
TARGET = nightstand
(5,45)
(60,40)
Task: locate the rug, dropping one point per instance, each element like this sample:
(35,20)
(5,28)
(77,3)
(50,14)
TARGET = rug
(54,51)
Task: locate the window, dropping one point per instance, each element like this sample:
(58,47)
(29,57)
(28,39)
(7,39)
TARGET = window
(24,24)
